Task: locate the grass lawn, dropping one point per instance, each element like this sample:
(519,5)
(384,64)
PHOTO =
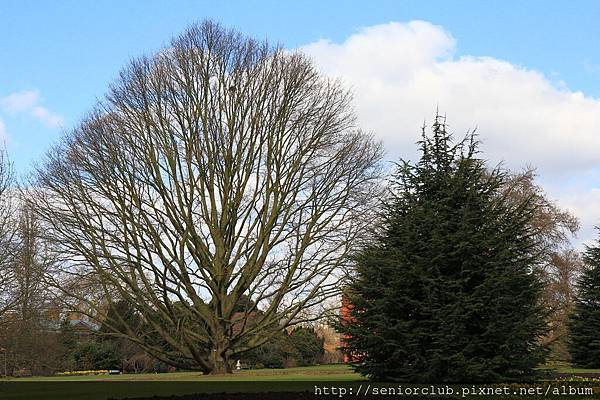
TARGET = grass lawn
(336,372)
(569,370)
(565,368)
(102,387)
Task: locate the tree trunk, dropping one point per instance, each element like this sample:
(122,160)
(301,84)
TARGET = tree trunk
(219,362)
(221,367)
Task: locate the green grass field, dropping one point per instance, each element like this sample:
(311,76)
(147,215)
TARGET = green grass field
(569,370)
(103,387)
(335,372)
(565,368)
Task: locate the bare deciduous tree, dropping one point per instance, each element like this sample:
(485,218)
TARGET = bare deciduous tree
(561,277)
(555,227)
(217,170)
(7,234)
(31,266)
(26,328)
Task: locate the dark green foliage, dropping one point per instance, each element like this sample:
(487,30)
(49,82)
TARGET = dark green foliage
(120,318)
(308,347)
(92,355)
(448,290)
(272,354)
(245,305)
(584,323)
(68,340)
(153,339)
(302,347)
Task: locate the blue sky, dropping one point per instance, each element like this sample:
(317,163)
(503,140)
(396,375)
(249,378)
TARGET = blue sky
(58,57)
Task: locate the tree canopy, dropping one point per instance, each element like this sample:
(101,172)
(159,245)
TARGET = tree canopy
(218,168)
(449,290)
(584,322)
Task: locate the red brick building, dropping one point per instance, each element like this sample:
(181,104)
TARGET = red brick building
(346,318)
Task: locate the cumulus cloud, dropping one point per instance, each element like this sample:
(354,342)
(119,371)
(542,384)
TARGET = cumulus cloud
(400,72)
(2,131)
(49,119)
(586,205)
(20,101)
(29,102)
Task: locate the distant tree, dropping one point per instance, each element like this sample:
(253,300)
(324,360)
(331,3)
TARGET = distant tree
(308,347)
(8,248)
(560,264)
(301,346)
(553,225)
(26,332)
(218,168)
(331,341)
(122,317)
(585,320)
(31,266)
(273,354)
(30,346)
(449,290)
(560,277)
(94,355)
(68,339)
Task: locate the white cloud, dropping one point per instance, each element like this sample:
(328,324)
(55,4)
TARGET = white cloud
(28,102)
(3,134)
(20,101)
(49,119)
(400,72)
(586,205)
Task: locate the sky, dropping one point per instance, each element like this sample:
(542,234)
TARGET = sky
(525,74)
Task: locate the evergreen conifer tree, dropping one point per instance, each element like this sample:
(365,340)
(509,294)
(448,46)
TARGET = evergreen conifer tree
(448,290)
(584,323)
